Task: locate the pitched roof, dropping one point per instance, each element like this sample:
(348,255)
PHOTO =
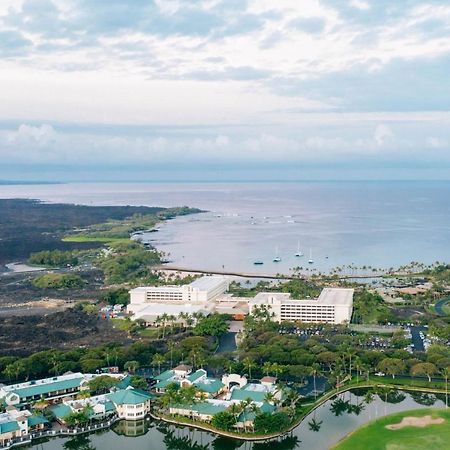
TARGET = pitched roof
(196,375)
(242,394)
(8,427)
(35,420)
(164,383)
(268,379)
(129,397)
(210,385)
(250,415)
(46,388)
(184,367)
(208,408)
(165,375)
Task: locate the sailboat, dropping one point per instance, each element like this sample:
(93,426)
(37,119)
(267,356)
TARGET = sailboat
(277,258)
(310,261)
(299,252)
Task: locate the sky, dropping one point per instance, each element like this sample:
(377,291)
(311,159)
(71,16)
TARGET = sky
(143,90)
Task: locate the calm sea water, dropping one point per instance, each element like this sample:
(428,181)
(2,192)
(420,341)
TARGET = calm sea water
(335,424)
(379,224)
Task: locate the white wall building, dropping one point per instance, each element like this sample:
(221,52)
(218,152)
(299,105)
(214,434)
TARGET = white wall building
(334,305)
(150,302)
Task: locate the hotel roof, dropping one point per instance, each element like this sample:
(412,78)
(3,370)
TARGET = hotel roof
(336,296)
(207,283)
(152,310)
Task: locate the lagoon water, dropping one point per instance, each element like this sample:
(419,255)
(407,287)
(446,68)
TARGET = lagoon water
(379,224)
(335,424)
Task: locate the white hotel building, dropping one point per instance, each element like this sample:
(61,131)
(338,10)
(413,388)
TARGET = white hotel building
(149,302)
(334,305)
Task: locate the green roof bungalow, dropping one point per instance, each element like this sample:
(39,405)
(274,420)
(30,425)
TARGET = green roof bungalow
(131,404)
(203,411)
(246,418)
(176,375)
(210,387)
(9,429)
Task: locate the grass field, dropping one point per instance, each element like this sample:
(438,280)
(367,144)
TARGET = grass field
(375,435)
(84,238)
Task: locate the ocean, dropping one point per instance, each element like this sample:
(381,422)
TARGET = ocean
(378,224)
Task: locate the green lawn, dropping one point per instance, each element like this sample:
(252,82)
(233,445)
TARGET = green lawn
(122,324)
(375,435)
(87,238)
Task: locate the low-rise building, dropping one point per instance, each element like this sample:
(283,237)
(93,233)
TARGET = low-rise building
(131,404)
(334,306)
(15,424)
(250,398)
(51,389)
(47,388)
(183,376)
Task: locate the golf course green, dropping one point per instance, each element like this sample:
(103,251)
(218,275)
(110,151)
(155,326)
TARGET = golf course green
(421,429)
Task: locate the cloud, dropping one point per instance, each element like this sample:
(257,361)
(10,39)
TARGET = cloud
(258,146)
(13,43)
(35,135)
(243,80)
(311,25)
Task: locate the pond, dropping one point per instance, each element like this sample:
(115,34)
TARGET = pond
(319,431)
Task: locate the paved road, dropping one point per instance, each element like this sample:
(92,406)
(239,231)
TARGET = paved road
(416,339)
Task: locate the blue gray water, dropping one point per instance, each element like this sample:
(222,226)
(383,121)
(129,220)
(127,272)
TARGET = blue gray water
(379,224)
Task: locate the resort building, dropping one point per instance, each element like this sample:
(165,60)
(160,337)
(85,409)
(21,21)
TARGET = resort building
(17,424)
(252,399)
(47,388)
(131,404)
(150,302)
(100,407)
(51,389)
(333,306)
(184,377)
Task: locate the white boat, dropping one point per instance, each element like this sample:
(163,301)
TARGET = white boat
(299,252)
(277,258)
(310,260)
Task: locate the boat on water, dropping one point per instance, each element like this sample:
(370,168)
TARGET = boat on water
(277,257)
(299,252)
(310,260)
(258,263)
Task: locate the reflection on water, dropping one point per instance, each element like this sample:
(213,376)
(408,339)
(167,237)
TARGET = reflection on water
(319,431)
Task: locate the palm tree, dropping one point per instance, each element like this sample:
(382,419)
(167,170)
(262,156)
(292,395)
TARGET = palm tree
(157,360)
(358,366)
(131,366)
(164,319)
(249,364)
(315,370)
(269,397)
(445,373)
(235,410)
(267,367)
(277,368)
(171,346)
